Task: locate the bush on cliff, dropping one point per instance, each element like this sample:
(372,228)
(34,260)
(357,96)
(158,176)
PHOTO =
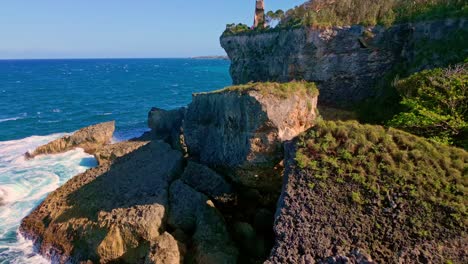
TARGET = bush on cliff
(436,103)
(234,29)
(388,184)
(371,12)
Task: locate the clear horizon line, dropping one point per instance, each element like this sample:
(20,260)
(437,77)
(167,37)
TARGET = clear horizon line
(112,58)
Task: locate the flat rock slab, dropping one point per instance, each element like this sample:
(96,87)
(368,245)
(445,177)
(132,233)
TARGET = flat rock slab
(110,213)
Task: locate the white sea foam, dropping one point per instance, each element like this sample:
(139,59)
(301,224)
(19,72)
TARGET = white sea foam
(24,184)
(11,119)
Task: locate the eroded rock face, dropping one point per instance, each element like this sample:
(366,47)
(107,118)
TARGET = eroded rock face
(207,181)
(167,125)
(90,138)
(245,128)
(166,250)
(346,62)
(192,212)
(109,153)
(109,213)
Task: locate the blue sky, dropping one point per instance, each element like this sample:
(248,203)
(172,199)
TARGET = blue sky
(120,28)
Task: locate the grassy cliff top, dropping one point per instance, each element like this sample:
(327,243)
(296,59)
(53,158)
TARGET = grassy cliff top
(282,90)
(377,169)
(327,13)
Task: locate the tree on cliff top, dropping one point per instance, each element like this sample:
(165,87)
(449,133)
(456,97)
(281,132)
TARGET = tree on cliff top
(371,12)
(436,103)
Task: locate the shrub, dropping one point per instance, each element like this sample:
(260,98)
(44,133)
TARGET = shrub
(436,103)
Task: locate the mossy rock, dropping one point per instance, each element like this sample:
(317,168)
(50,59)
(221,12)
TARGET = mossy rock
(394,196)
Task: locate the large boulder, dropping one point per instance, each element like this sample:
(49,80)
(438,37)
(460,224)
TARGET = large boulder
(112,213)
(193,213)
(365,194)
(167,125)
(207,181)
(166,250)
(90,138)
(243,127)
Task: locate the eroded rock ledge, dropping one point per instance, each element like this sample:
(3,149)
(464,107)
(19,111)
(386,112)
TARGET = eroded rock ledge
(91,139)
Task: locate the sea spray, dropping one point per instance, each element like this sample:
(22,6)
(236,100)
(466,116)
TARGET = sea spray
(24,184)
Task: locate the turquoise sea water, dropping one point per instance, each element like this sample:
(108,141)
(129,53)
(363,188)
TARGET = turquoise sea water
(42,99)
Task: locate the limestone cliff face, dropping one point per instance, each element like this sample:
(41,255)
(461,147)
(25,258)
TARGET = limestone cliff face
(245,129)
(346,62)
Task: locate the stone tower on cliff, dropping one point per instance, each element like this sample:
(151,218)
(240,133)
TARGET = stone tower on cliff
(259,20)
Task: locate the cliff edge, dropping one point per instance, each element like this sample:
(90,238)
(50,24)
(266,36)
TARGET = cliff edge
(345,62)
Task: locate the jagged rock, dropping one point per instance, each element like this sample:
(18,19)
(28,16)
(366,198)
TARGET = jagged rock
(207,181)
(194,213)
(90,138)
(345,68)
(243,127)
(166,250)
(110,213)
(167,125)
(109,153)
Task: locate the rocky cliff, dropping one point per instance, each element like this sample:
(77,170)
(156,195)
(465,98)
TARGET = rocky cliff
(148,203)
(345,62)
(350,193)
(243,127)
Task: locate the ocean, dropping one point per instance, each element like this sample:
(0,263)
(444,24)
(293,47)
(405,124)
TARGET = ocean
(41,100)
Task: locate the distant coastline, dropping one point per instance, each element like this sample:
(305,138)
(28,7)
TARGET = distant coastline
(210,58)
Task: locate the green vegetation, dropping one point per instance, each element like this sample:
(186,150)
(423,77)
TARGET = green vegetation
(272,17)
(436,105)
(371,12)
(440,53)
(235,29)
(388,168)
(282,90)
(325,13)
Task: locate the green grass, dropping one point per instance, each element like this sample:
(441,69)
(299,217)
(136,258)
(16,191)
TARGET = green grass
(281,90)
(376,163)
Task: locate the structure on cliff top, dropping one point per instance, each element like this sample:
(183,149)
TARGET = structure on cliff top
(259,19)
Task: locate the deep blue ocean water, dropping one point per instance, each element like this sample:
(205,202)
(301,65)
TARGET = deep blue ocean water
(40,97)
(40,100)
